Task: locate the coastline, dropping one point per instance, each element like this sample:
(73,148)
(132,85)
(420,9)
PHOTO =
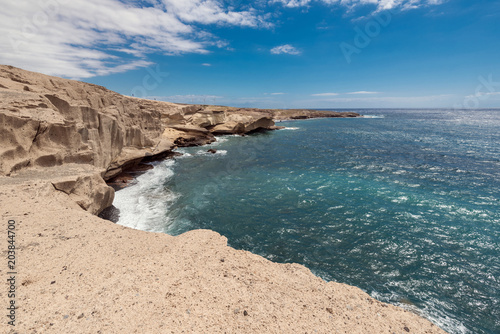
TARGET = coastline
(79,271)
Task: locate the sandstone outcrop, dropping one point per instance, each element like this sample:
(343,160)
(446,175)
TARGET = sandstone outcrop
(48,121)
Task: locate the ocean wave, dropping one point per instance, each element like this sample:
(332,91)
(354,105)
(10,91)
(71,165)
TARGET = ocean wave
(144,205)
(184,155)
(219,152)
(373,116)
(219,140)
(431,311)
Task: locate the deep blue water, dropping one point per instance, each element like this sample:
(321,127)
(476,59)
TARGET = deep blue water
(404,205)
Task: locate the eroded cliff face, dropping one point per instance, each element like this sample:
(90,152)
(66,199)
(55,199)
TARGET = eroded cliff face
(47,121)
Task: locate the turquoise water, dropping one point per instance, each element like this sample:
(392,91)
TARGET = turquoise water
(404,204)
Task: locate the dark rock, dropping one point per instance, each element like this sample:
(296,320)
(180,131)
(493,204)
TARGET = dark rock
(195,140)
(111,213)
(213,151)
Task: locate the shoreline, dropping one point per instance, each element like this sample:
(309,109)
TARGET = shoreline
(63,138)
(122,180)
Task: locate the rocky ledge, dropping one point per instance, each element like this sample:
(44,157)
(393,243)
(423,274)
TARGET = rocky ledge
(59,141)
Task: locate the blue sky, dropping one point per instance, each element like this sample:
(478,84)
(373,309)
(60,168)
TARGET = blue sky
(267,53)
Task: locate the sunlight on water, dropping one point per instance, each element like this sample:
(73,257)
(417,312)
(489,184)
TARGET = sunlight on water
(403,204)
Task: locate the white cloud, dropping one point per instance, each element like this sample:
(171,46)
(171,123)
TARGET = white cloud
(206,64)
(210,11)
(285,49)
(325,94)
(379,4)
(362,92)
(84,38)
(293,3)
(393,99)
(278,93)
(481,94)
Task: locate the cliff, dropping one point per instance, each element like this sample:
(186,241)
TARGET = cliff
(48,121)
(59,141)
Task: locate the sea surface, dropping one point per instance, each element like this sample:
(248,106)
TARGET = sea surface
(404,204)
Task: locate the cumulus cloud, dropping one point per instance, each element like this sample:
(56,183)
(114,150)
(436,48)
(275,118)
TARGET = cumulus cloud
(293,3)
(285,49)
(85,38)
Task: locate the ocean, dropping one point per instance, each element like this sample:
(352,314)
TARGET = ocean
(404,204)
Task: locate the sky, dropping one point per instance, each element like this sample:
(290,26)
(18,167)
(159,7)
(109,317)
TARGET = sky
(266,53)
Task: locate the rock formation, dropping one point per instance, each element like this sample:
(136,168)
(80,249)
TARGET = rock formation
(48,121)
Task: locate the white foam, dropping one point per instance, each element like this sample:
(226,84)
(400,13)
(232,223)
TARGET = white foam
(290,128)
(219,152)
(219,140)
(430,312)
(400,199)
(184,153)
(144,205)
(373,116)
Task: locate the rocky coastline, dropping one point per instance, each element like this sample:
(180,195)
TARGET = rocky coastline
(60,141)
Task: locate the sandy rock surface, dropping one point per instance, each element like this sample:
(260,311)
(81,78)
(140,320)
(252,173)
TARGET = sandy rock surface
(81,274)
